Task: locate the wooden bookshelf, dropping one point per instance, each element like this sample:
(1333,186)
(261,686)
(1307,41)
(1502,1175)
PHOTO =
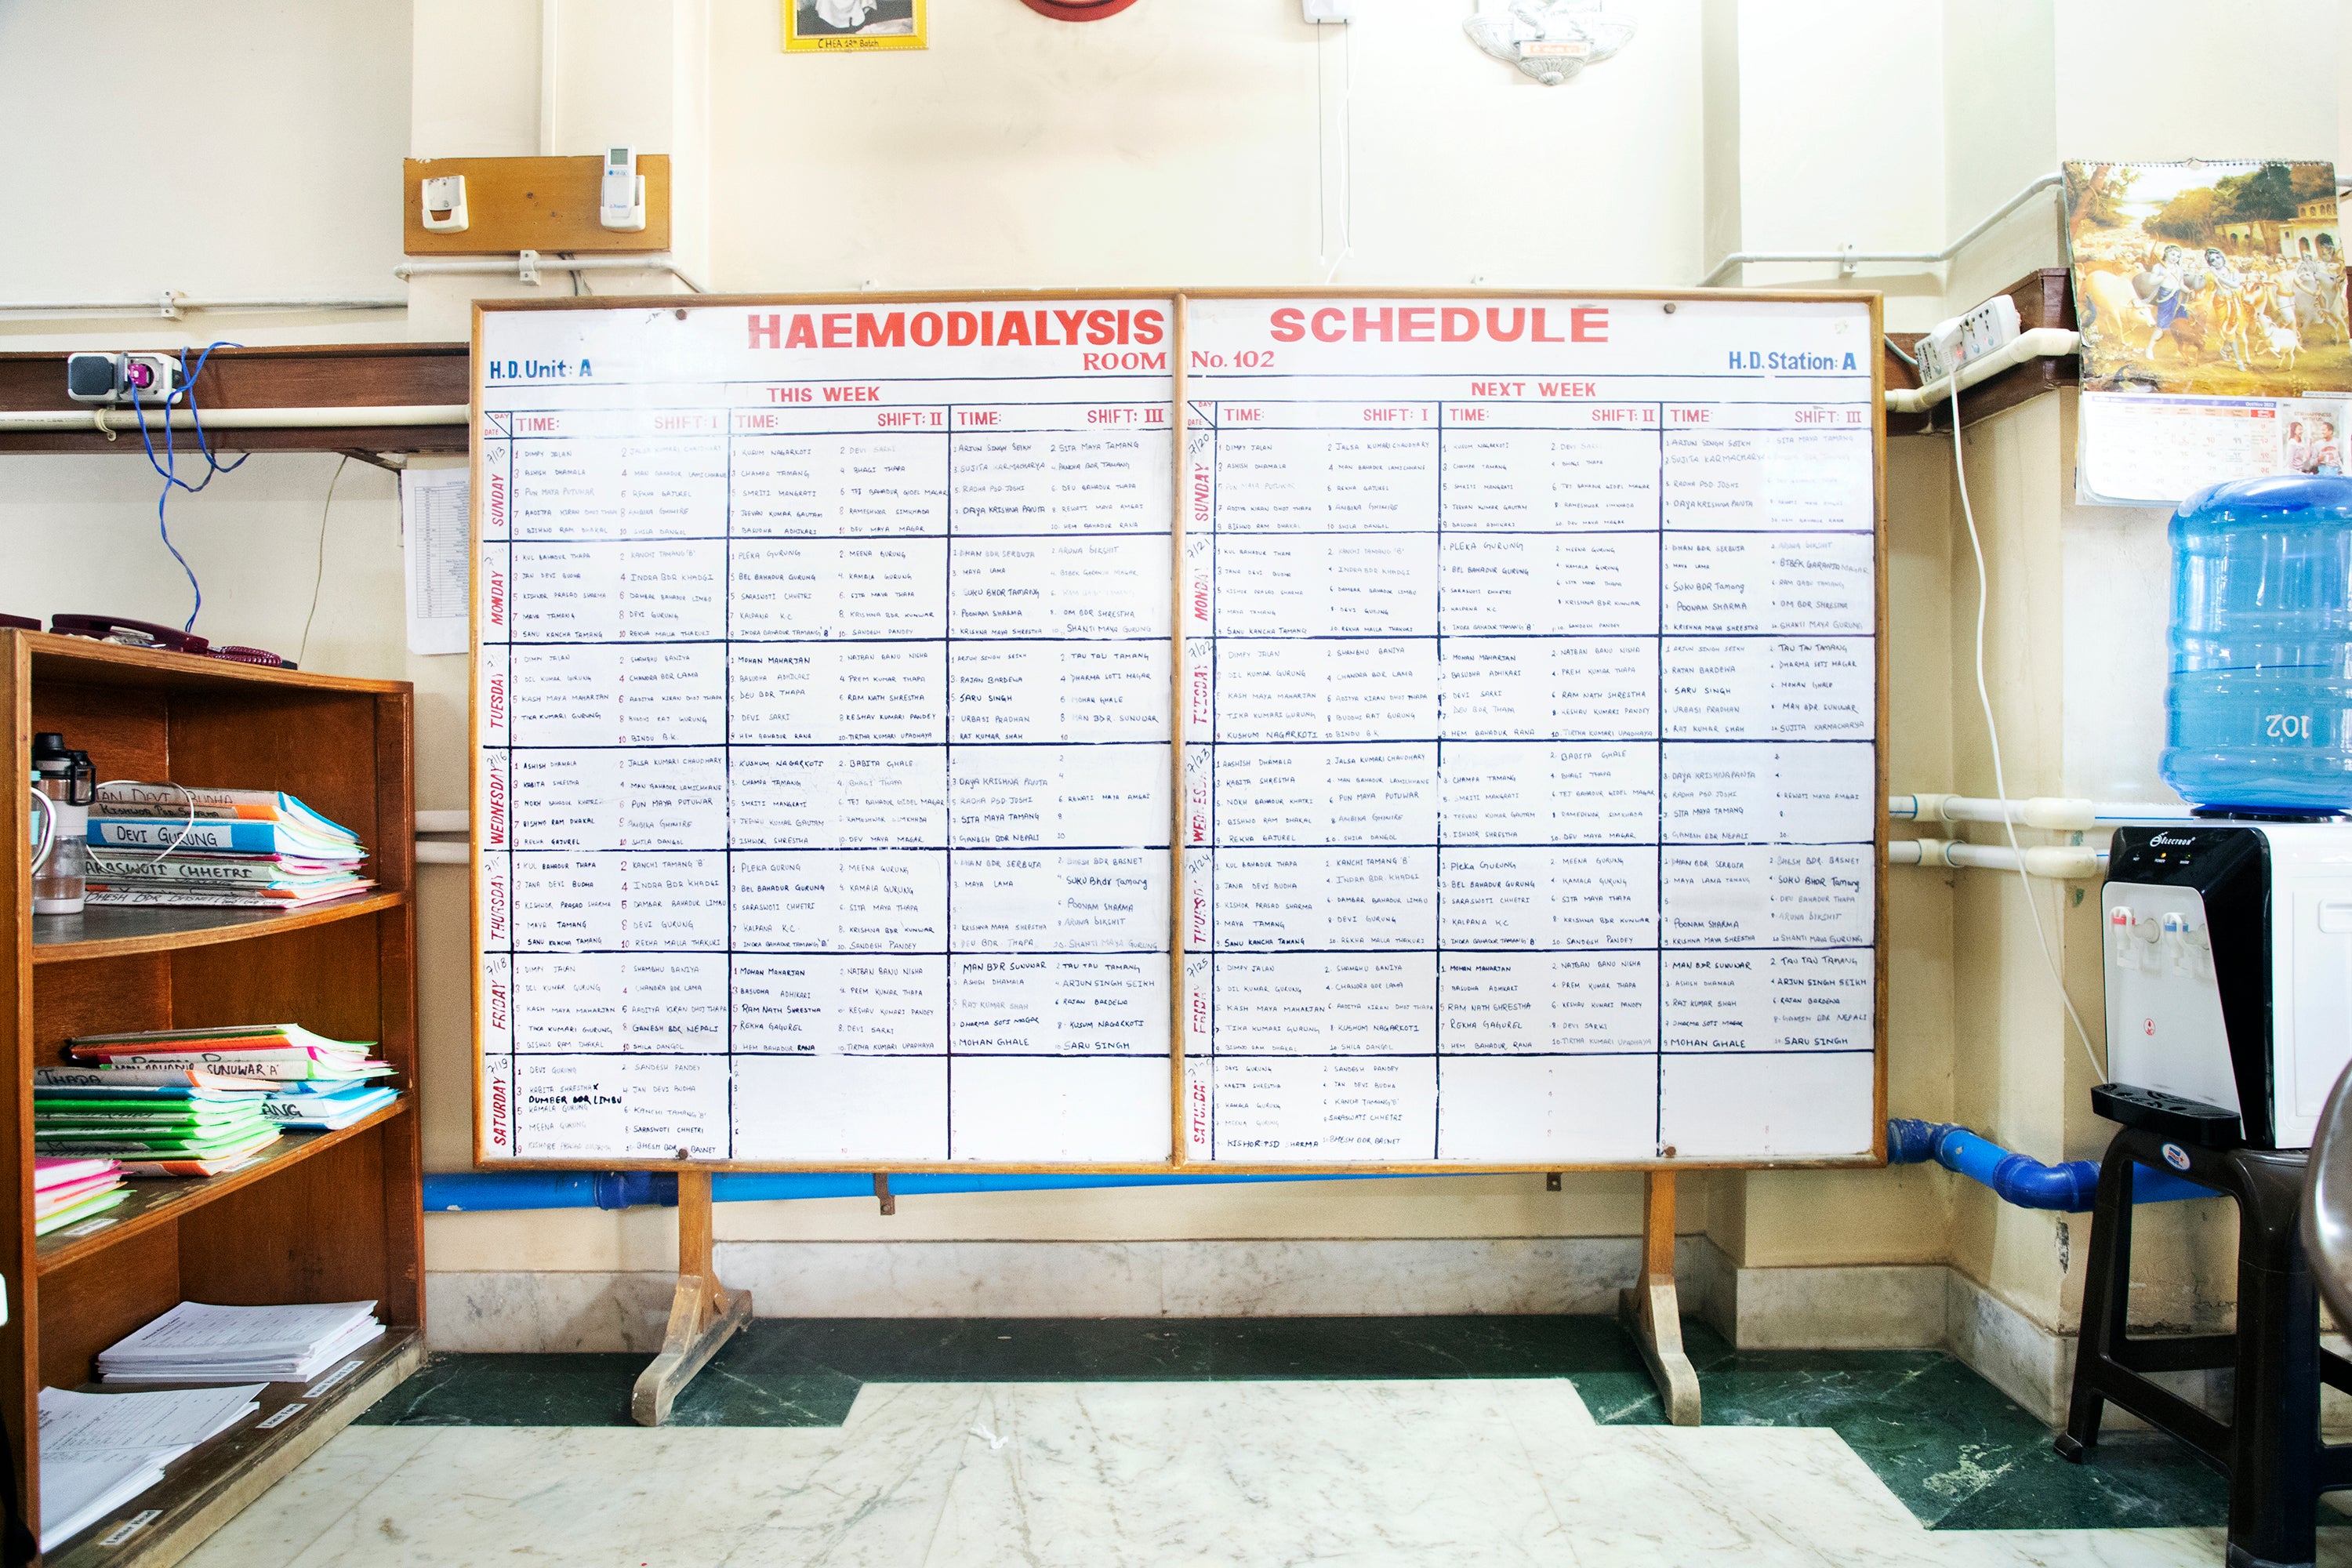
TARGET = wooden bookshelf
(331,1217)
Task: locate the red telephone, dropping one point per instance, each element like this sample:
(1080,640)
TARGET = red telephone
(147,634)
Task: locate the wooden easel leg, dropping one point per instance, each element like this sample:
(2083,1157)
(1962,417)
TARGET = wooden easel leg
(701,1315)
(1651,1313)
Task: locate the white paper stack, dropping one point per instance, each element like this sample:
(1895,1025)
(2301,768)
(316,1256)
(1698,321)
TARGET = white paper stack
(195,1343)
(100,1450)
(78,1493)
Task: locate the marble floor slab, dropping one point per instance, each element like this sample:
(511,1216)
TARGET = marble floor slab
(1361,1474)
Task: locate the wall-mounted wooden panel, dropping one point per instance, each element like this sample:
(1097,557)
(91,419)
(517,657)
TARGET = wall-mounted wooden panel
(546,204)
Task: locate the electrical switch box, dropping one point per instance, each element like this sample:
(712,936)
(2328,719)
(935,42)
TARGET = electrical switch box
(552,205)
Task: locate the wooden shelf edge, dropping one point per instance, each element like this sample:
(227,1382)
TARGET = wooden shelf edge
(1997,394)
(252,923)
(205,1490)
(116,664)
(171,1196)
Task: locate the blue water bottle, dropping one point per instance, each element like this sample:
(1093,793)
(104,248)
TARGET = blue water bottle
(2259,710)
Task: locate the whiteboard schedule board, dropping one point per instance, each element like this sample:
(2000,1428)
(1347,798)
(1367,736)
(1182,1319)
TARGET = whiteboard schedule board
(1134,730)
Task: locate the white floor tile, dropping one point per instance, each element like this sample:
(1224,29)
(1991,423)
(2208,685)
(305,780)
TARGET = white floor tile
(1136,1475)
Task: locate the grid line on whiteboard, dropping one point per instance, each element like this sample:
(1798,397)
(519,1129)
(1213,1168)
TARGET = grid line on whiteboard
(1673,645)
(603,665)
(1658,996)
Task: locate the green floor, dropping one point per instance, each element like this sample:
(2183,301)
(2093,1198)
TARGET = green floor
(1955,1449)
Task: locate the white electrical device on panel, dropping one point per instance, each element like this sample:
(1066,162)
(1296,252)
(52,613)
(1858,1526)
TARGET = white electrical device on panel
(1319,11)
(97,377)
(443,200)
(1952,343)
(623,204)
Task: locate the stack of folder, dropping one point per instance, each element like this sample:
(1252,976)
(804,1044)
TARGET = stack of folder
(324,1106)
(196,1102)
(153,1130)
(254,849)
(69,1191)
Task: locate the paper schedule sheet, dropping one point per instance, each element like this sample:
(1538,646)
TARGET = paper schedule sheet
(432,540)
(1500,727)
(828,736)
(1530,726)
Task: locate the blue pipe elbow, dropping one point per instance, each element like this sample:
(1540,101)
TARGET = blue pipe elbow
(2071,1186)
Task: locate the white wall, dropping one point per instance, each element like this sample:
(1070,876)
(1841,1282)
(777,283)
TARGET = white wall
(1841,125)
(222,150)
(1179,143)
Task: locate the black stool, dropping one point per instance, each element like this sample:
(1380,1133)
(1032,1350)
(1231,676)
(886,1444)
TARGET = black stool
(2269,1448)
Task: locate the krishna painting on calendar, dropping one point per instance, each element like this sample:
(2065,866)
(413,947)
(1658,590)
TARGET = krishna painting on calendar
(2225,279)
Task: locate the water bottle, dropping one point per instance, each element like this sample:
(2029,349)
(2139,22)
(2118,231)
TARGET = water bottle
(2259,709)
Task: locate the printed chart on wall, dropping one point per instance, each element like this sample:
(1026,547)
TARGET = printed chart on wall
(1530,771)
(903,724)
(824,732)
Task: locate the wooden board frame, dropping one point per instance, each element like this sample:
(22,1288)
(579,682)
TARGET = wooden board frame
(544,204)
(1179,299)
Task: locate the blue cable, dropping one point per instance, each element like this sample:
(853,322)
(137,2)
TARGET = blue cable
(169,466)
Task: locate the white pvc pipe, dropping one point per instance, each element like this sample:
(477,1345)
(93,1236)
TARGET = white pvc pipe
(2034,342)
(2057,813)
(168,305)
(551,61)
(434,854)
(1849,257)
(2068,865)
(123,421)
(539,262)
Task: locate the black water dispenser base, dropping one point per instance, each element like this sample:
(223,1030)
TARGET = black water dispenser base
(2169,1115)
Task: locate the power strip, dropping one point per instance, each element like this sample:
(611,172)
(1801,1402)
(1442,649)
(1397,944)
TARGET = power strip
(1953,344)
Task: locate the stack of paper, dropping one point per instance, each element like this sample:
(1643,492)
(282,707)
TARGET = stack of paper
(100,1450)
(169,844)
(195,1343)
(66,1191)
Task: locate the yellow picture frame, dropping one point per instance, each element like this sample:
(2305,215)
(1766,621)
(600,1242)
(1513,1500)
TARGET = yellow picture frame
(865,25)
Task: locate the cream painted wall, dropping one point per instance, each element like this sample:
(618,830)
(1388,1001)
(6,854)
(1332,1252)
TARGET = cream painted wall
(2075,658)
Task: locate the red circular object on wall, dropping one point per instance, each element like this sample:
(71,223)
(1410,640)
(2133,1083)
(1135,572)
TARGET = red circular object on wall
(1077,10)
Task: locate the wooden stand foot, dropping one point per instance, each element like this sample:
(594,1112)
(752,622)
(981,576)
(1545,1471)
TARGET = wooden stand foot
(701,1315)
(1652,1314)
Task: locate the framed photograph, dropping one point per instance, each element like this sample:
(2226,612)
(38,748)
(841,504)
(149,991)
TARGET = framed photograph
(833,26)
